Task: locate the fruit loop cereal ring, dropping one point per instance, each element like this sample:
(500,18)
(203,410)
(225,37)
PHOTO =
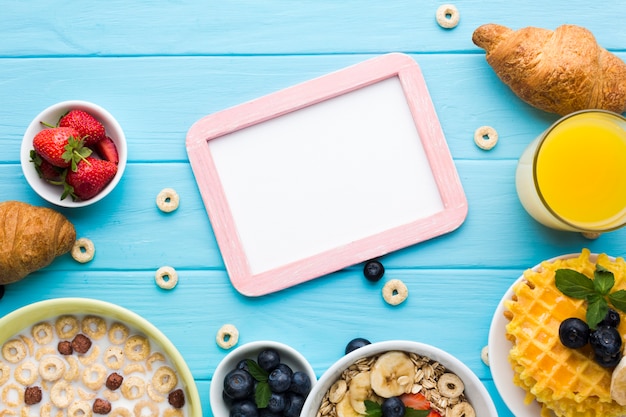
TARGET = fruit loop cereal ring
(485,137)
(42,333)
(154,357)
(146,408)
(26,373)
(66,327)
(137,348)
(133,387)
(463,409)
(395,292)
(164,379)
(484,355)
(134,367)
(114,357)
(29,343)
(14,351)
(227,336)
(450,385)
(62,394)
(118,333)
(5,373)
(51,368)
(72,373)
(94,376)
(12,395)
(166,277)
(91,358)
(94,327)
(154,396)
(83,250)
(167,200)
(79,409)
(447,16)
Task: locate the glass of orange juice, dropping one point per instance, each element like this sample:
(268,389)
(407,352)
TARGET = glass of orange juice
(573,176)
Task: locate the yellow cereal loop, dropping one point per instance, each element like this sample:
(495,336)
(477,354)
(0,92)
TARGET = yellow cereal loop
(164,379)
(83,250)
(133,387)
(94,327)
(51,368)
(137,348)
(118,333)
(66,327)
(14,351)
(42,333)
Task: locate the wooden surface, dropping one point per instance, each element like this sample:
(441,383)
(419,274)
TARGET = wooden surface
(160,66)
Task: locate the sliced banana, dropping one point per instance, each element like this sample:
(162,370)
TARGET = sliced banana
(618,383)
(392,374)
(360,389)
(344,407)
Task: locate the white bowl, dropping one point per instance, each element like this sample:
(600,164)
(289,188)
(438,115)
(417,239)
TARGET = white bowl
(288,355)
(475,391)
(51,115)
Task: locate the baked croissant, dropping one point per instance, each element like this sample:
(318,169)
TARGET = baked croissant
(558,71)
(31,237)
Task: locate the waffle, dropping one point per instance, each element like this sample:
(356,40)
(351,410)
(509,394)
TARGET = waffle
(566,382)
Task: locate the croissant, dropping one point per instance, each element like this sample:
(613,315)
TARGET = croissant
(31,237)
(558,71)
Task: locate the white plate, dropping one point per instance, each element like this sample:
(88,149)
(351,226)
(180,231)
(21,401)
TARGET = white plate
(499,348)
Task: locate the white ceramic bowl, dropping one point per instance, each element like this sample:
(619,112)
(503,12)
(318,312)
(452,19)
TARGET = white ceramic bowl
(51,115)
(288,355)
(23,318)
(475,391)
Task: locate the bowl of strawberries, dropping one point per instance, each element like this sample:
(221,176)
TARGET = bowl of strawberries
(73,153)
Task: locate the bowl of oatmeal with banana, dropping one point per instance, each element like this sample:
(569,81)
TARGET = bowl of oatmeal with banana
(84,357)
(397,378)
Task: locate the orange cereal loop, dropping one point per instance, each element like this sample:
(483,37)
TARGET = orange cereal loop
(137,348)
(143,406)
(5,373)
(79,409)
(12,395)
(62,394)
(94,327)
(42,333)
(94,376)
(114,357)
(26,373)
(118,333)
(66,327)
(14,351)
(133,388)
(51,368)
(164,379)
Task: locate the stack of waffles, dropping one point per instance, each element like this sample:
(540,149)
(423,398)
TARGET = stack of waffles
(566,382)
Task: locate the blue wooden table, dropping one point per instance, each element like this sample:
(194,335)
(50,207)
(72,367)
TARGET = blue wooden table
(160,66)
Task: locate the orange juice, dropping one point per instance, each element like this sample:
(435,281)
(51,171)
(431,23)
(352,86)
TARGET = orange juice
(578,173)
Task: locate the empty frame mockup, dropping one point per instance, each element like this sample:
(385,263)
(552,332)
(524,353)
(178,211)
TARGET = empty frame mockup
(326,174)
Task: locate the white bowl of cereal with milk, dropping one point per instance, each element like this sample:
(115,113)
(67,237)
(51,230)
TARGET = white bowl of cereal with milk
(84,357)
(392,377)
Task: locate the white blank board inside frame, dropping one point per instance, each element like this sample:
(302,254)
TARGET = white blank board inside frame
(326,174)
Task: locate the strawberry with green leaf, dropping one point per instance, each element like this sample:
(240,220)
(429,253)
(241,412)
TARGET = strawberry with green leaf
(91,176)
(61,147)
(87,126)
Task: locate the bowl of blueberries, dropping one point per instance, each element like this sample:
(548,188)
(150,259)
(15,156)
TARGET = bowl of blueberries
(261,379)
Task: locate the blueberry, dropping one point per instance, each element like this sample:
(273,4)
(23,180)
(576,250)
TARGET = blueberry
(244,408)
(356,343)
(243,365)
(574,333)
(268,359)
(608,361)
(373,270)
(238,384)
(300,383)
(606,341)
(393,407)
(295,402)
(611,319)
(265,412)
(279,379)
(277,402)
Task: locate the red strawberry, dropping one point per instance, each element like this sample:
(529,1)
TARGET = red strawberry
(89,179)
(418,402)
(88,127)
(45,169)
(61,146)
(107,150)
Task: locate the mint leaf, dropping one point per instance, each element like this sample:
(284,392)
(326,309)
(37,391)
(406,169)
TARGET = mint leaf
(603,280)
(372,409)
(411,412)
(597,308)
(574,284)
(618,299)
(256,371)
(262,394)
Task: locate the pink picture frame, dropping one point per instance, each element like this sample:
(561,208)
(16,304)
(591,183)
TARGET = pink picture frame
(326,174)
